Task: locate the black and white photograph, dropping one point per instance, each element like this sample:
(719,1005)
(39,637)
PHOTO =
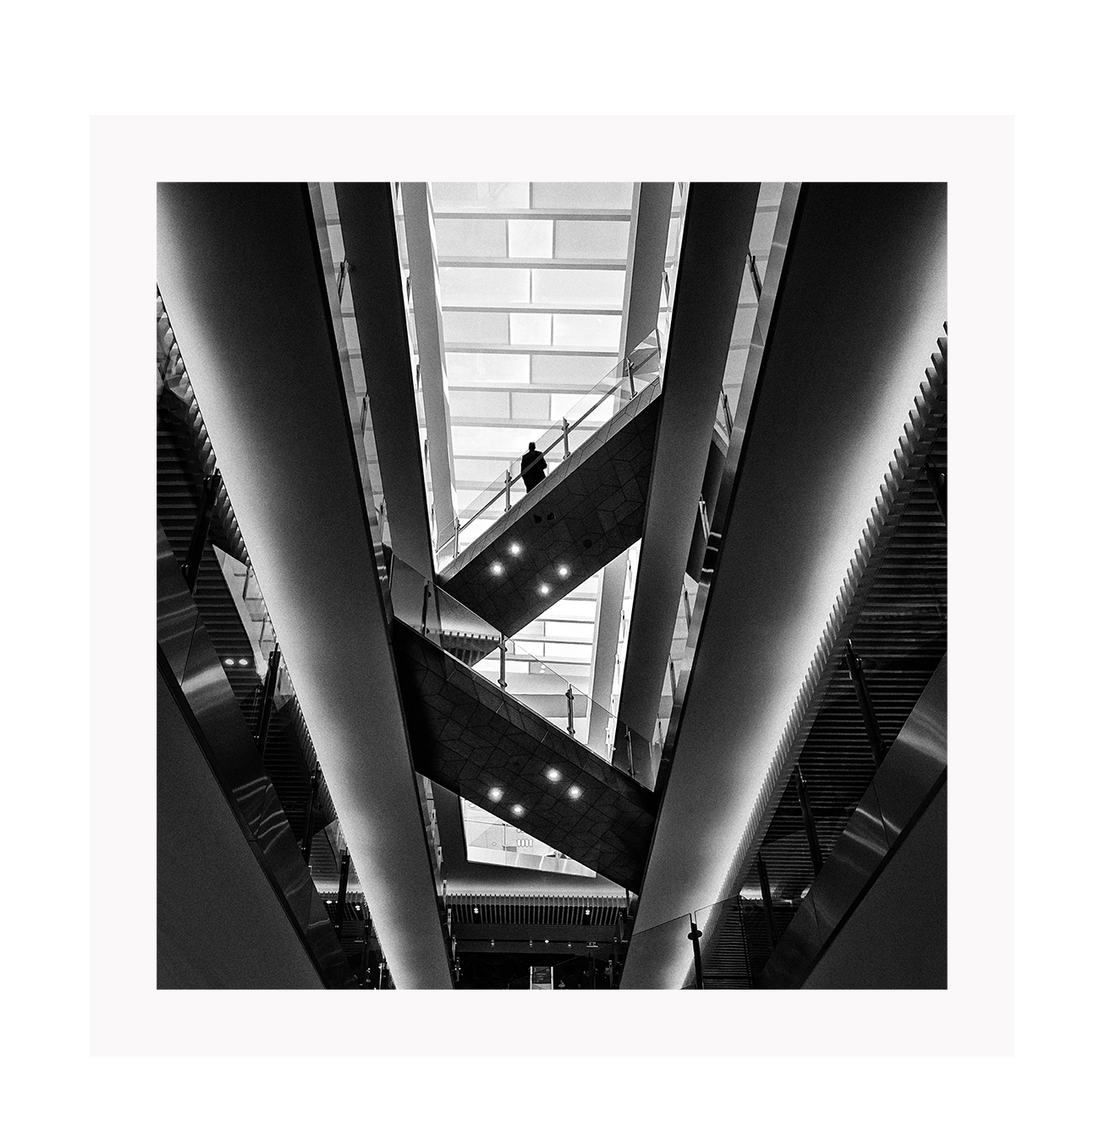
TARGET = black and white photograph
(551,585)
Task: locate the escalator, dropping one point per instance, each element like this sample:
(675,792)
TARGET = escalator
(473,737)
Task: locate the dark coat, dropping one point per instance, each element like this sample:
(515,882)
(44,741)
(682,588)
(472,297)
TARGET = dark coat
(532,465)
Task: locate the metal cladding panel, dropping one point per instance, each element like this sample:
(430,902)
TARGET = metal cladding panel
(241,279)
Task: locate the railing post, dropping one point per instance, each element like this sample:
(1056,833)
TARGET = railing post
(211,485)
(766,897)
(565,435)
(695,936)
(569,700)
(364,962)
(508,488)
(630,375)
(745,941)
(307,836)
(345,269)
(503,659)
(458,528)
(937,481)
(342,894)
(729,417)
(863,696)
(808,821)
(629,753)
(703,518)
(424,611)
(268,699)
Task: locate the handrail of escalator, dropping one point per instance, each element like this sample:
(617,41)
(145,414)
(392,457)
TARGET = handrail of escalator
(626,375)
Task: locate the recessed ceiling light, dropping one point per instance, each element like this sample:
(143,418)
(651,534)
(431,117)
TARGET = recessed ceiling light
(496,794)
(544,589)
(588,911)
(242,661)
(517,810)
(475,910)
(514,548)
(553,775)
(574,791)
(546,941)
(229,662)
(563,571)
(497,568)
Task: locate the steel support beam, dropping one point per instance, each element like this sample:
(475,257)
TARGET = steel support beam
(808,822)
(863,696)
(270,682)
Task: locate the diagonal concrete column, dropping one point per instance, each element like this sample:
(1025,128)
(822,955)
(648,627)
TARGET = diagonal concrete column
(428,318)
(717,227)
(370,245)
(645,264)
(241,276)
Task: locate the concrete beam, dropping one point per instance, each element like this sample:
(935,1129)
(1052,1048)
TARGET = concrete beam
(650,214)
(428,318)
(377,284)
(717,227)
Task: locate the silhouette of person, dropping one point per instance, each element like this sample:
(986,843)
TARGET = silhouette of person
(532,466)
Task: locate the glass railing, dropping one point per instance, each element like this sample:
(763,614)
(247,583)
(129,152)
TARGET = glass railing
(629,377)
(562,701)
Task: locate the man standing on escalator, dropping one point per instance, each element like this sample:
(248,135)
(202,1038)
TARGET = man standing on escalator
(532,466)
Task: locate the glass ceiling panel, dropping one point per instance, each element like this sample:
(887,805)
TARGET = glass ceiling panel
(530,238)
(481,195)
(570,608)
(530,328)
(475,473)
(588,330)
(530,406)
(476,328)
(480,404)
(593,195)
(572,372)
(471,237)
(591,239)
(510,441)
(483,286)
(489,368)
(577,287)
